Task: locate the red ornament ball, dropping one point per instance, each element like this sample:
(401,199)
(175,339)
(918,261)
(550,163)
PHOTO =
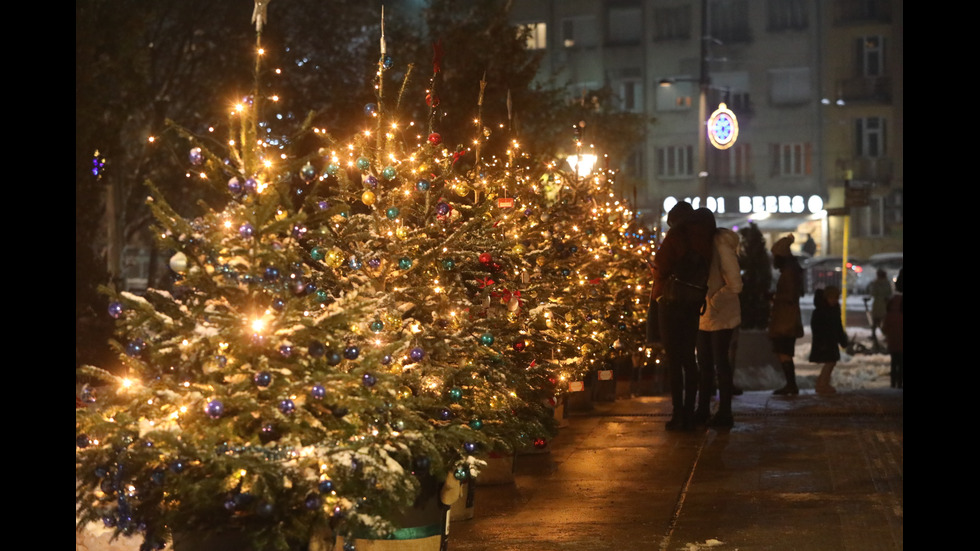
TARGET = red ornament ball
(519,346)
(435,138)
(540,443)
(485,258)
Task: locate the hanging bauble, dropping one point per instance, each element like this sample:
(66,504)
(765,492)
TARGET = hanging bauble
(540,443)
(334,357)
(442,209)
(422,185)
(339,411)
(435,138)
(287,406)
(318,392)
(389,173)
(519,249)
(566,272)
(178,262)
(392,213)
(461,473)
(246,230)
(368,197)
(82,441)
(354,263)
(485,258)
(363,163)
(456,394)
(545,216)
(374,263)
(486,339)
(401,232)
(445,414)
(135,348)
(519,346)
(448,264)
(528,212)
(262,379)
(431,100)
(386,61)
(307,173)
(271,274)
(386,359)
(416,354)
(317,349)
(334,258)
(215,409)
(115,309)
(326,486)
(470,447)
(251,185)
(404,393)
(377,326)
(317,253)
(285,351)
(352,352)
(322,295)
(404,263)
(371,109)
(234,186)
(195,156)
(333,169)
(369,380)
(278,304)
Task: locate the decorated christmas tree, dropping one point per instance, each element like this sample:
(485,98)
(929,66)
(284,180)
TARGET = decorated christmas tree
(345,334)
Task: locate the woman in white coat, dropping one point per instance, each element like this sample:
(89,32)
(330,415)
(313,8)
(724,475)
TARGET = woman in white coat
(721,317)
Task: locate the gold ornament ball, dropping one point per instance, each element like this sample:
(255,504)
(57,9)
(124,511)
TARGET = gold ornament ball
(519,249)
(334,258)
(368,197)
(401,232)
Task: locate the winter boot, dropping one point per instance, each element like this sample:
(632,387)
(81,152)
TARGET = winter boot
(823,380)
(789,370)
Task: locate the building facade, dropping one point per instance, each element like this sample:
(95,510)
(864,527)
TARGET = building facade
(814,88)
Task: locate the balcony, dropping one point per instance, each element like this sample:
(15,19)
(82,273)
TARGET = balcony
(865,89)
(875,171)
(849,12)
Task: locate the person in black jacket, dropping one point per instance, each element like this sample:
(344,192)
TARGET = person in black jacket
(828,334)
(785,319)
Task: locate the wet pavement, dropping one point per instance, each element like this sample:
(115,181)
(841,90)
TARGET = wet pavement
(803,472)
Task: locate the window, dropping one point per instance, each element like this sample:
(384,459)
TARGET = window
(675,161)
(631,94)
(869,221)
(871,55)
(579,31)
(790,86)
(787,15)
(870,132)
(625,24)
(673,23)
(729,20)
(537,35)
(733,164)
(792,159)
(675,96)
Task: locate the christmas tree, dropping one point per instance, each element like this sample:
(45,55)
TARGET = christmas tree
(344,333)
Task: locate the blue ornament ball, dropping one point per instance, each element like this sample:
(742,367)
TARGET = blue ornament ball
(285,351)
(326,486)
(307,173)
(246,230)
(405,263)
(195,156)
(215,409)
(374,263)
(287,406)
(135,348)
(386,360)
(82,441)
(371,109)
(234,186)
(368,379)
(386,62)
(416,354)
(486,339)
(371,180)
(115,309)
(251,185)
(363,163)
(262,379)
(352,352)
(392,213)
(377,326)
(422,185)
(470,447)
(333,358)
(389,173)
(317,349)
(278,304)
(442,209)
(318,392)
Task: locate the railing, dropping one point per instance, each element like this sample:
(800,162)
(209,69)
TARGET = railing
(865,89)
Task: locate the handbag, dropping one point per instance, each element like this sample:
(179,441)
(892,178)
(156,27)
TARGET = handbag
(653,322)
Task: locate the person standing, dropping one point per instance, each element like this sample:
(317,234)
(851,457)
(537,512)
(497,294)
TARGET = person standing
(785,321)
(680,282)
(893,328)
(828,335)
(721,318)
(810,246)
(881,292)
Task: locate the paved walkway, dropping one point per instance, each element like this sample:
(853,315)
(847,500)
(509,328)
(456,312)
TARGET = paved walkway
(795,473)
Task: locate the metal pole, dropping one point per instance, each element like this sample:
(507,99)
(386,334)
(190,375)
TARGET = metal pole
(703,83)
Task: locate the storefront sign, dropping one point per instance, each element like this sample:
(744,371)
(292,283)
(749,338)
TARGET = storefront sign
(748,204)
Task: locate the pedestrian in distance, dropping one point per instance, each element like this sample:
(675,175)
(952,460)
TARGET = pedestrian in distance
(721,318)
(680,283)
(880,291)
(809,246)
(894,332)
(827,331)
(785,321)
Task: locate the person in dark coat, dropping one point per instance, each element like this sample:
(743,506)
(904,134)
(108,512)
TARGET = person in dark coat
(894,330)
(680,283)
(785,318)
(828,335)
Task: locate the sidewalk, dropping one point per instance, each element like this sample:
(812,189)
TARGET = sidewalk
(795,473)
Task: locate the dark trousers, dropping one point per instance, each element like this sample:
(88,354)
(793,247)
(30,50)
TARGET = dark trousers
(713,358)
(898,369)
(679,331)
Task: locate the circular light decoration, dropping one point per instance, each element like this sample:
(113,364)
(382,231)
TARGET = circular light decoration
(722,127)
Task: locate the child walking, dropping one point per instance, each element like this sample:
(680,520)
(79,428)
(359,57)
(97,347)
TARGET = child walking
(828,335)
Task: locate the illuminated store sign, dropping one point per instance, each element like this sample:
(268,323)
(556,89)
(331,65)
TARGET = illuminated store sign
(722,128)
(749,204)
